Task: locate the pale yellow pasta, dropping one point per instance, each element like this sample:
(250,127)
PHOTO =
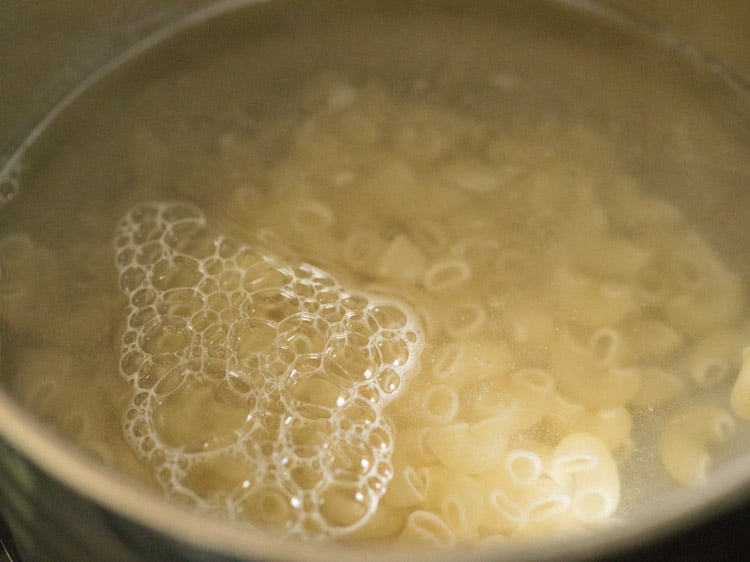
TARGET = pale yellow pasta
(580,375)
(362,250)
(651,339)
(592,302)
(386,523)
(552,305)
(448,365)
(412,447)
(242,207)
(393,190)
(740,395)
(459,362)
(689,438)
(611,257)
(490,542)
(465,320)
(471,448)
(541,499)
(428,528)
(693,267)
(511,506)
(658,387)
(716,307)
(503,513)
(712,358)
(560,525)
(446,274)
(473,175)
(341,505)
(40,375)
(528,325)
(525,464)
(402,262)
(312,217)
(608,347)
(460,502)
(518,415)
(439,405)
(431,238)
(640,209)
(652,287)
(409,487)
(435,478)
(533,388)
(593,473)
(612,426)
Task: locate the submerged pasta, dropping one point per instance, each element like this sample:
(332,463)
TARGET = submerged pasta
(411,326)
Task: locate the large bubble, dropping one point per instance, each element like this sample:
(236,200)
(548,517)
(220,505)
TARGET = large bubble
(258,385)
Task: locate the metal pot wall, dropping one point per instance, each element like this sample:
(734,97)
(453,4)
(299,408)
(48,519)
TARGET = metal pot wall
(60,505)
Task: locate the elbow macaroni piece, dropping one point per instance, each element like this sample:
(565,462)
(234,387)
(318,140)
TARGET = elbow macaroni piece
(594,477)
(471,448)
(428,528)
(583,375)
(688,439)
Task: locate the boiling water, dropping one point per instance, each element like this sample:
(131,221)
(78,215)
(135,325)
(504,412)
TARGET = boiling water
(309,287)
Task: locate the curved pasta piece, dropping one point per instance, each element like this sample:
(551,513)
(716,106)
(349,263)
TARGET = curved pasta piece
(612,425)
(717,306)
(533,389)
(408,487)
(714,357)
(593,473)
(651,339)
(688,439)
(465,320)
(428,528)
(446,274)
(362,250)
(439,405)
(512,506)
(412,448)
(592,302)
(461,505)
(471,448)
(458,362)
(402,262)
(658,387)
(611,257)
(581,375)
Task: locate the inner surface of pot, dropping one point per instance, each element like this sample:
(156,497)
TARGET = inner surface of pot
(421,228)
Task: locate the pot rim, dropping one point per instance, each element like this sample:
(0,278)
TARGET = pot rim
(674,511)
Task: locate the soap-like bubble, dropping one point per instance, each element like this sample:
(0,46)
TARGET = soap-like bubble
(257,384)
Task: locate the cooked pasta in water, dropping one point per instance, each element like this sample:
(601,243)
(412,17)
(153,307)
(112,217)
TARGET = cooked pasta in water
(403,323)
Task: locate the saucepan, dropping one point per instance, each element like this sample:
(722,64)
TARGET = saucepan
(328,280)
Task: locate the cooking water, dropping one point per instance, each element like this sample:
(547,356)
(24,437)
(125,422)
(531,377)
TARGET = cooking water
(427,303)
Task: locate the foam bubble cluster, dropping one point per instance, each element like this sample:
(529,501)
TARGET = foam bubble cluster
(258,385)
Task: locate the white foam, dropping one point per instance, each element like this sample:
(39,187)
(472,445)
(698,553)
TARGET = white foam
(251,374)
